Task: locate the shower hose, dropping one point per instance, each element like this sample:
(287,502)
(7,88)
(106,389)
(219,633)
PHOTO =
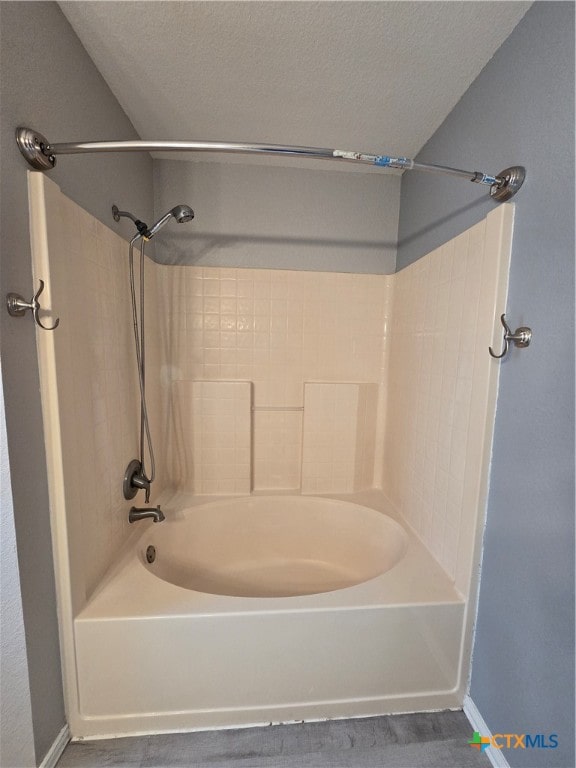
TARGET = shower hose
(140,345)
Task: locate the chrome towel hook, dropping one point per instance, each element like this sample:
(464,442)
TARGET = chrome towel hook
(17,307)
(520,338)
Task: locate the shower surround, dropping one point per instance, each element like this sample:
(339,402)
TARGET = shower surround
(307,352)
(375,388)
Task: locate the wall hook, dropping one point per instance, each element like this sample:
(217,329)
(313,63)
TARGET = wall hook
(17,307)
(520,338)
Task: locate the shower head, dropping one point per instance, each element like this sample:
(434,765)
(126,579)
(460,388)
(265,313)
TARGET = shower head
(181,213)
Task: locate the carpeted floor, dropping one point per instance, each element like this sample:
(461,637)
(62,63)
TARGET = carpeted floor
(427,740)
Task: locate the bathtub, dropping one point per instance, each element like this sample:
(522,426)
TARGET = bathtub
(267,609)
(274,546)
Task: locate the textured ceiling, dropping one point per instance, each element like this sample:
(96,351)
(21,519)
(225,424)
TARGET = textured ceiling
(372,76)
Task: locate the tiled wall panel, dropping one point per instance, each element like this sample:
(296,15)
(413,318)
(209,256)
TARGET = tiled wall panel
(86,270)
(210,440)
(441,387)
(329,447)
(339,437)
(366,437)
(277,329)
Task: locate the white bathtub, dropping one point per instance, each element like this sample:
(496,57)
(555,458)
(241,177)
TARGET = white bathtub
(274,546)
(267,609)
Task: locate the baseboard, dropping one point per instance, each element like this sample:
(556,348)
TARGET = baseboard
(53,755)
(477,722)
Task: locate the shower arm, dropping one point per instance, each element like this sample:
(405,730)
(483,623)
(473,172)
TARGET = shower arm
(41,155)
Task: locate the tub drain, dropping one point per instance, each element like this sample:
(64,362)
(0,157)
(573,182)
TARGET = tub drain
(151,554)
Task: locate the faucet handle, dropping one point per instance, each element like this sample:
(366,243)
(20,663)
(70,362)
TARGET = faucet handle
(135,480)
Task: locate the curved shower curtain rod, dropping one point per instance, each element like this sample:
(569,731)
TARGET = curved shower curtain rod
(41,155)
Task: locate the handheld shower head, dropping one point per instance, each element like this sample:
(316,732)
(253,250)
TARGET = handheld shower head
(181,213)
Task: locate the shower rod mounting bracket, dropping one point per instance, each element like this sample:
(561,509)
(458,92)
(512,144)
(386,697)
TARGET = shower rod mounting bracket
(508,183)
(42,155)
(35,148)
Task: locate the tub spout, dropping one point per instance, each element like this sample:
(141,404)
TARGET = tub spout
(142,513)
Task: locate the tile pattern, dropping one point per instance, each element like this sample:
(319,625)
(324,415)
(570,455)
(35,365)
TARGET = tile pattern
(210,441)
(277,329)
(438,391)
(366,437)
(96,382)
(434,739)
(339,437)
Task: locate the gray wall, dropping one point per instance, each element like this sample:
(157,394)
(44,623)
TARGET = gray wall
(279,217)
(520,110)
(16,734)
(49,83)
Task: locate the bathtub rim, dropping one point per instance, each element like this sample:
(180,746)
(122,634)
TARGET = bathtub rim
(416,579)
(327,524)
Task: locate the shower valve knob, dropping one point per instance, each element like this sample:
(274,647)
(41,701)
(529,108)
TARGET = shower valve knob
(135,480)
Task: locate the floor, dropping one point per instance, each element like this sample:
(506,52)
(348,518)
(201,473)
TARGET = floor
(426,740)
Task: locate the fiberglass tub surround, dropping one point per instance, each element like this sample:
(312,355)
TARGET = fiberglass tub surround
(377,390)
